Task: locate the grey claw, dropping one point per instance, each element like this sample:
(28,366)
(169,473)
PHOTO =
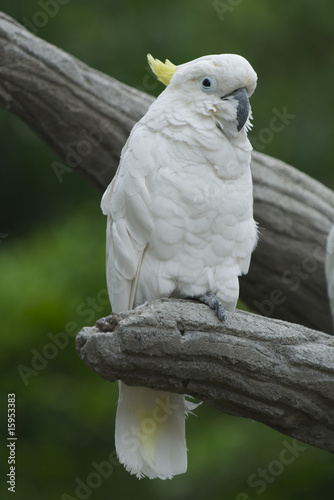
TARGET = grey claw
(210,299)
(220,311)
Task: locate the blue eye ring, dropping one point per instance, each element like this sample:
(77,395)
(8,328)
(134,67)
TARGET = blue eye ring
(208,85)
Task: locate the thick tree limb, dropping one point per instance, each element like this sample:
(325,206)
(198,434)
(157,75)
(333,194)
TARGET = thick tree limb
(274,372)
(64,101)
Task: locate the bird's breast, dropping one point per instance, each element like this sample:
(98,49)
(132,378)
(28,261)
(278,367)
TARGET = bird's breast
(199,213)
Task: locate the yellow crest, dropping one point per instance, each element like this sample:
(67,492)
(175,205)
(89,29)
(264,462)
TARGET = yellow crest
(163,71)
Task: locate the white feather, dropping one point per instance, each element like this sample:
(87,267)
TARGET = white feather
(150,432)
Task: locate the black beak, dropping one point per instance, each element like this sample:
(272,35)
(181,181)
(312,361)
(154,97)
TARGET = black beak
(243,106)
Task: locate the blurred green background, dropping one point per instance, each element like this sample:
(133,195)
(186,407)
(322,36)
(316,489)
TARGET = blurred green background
(52,238)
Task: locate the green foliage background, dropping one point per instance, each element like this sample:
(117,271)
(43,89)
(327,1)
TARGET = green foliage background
(52,247)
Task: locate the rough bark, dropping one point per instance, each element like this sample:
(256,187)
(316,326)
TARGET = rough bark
(272,371)
(63,101)
(286,279)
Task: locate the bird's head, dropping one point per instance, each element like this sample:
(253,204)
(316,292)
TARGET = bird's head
(218,86)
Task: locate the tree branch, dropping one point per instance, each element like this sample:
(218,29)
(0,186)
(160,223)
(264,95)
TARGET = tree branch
(268,370)
(64,101)
(61,99)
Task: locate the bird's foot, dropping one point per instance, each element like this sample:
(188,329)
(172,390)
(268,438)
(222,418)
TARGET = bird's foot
(211,300)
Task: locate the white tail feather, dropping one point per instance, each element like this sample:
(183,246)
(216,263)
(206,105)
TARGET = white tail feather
(150,432)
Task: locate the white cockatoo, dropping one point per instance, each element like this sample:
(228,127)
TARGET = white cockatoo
(180,223)
(329,268)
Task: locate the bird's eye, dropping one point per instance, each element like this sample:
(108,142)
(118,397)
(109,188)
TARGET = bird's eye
(208,85)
